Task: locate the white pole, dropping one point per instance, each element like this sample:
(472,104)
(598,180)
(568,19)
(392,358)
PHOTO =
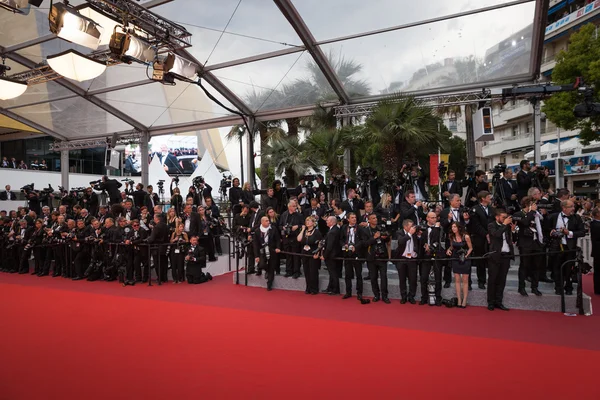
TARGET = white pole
(557,163)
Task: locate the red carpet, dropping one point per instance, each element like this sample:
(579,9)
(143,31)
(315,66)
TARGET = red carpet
(81,340)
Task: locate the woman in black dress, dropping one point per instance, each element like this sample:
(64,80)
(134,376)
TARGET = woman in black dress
(309,238)
(460,249)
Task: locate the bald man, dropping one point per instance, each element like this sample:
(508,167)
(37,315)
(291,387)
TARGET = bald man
(332,251)
(429,247)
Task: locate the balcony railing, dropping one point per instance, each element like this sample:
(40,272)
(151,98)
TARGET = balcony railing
(575,17)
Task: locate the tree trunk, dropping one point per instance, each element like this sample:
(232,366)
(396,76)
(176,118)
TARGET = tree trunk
(264,161)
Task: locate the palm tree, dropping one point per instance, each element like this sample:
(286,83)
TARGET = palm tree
(403,126)
(288,154)
(328,145)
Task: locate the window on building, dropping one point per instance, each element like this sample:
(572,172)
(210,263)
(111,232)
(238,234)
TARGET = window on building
(452,124)
(529,127)
(516,156)
(515,130)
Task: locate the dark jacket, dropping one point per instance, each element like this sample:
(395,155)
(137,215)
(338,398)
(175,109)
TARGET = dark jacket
(523,183)
(5,196)
(497,232)
(574,224)
(332,243)
(274,241)
(112,188)
(410,212)
(595,237)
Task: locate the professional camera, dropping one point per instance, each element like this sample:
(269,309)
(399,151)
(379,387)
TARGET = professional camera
(176,180)
(365,173)
(128,181)
(442,169)
(160,183)
(453,302)
(545,206)
(499,169)
(48,190)
(197,181)
(286,231)
(226,181)
(99,181)
(27,188)
(462,254)
(557,234)
(470,170)
(517,218)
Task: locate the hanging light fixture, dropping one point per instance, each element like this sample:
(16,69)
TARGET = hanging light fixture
(131,48)
(70,25)
(107,22)
(16,6)
(173,66)
(9,89)
(74,65)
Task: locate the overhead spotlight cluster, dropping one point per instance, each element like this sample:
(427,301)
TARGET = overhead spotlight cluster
(103,26)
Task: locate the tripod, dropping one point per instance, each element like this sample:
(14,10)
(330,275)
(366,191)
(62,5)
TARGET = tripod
(498,196)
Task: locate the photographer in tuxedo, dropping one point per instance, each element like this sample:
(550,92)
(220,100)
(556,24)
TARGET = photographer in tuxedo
(509,187)
(373,245)
(502,251)
(266,244)
(350,252)
(451,186)
(524,178)
(408,247)
(531,241)
(480,218)
(411,208)
(430,245)
(330,252)
(564,229)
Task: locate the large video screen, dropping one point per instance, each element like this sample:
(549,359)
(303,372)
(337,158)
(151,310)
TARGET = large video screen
(177,154)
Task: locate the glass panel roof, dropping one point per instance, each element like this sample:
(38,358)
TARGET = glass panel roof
(335,18)
(256,27)
(74,118)
(477,49)
(280,82)
(441,54)
(157,105)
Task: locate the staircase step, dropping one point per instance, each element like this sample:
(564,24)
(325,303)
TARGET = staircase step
(477,297)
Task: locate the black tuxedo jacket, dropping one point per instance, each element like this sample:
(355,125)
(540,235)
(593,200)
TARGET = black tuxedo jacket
(357,205)
(445,223)
(432,237)
(6,196)
(497,232)
(344,237)
(574,224)
(410,212)
(195,223)
(479,222)
(332,243)
(148,203)
(523,183)
(455,188)
(259,241)
(403,239)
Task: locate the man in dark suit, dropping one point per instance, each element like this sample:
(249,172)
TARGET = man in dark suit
(7,194)
(266,243)
(408,247)
(430,246)
(330,252)
(480,217)
(131,212)
(204,191)
(524,178)
(270,200)
(352,204)
(348,243)
(372,244)
(90,201)
(564,229)
(451,186)
(304,194)
(531,241)
(191,221)
(509,190)
(501,247)
(411,209)
(196,258)
(151,200)
(595,237)
(139,196)
(111,186)
(478,185)
(418,178)
(169,161)
(159,236)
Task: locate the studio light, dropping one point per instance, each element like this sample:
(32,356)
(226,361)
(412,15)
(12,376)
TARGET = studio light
(131,48)
(9,89)
(70,25)
(17,6)
(180,67)
(74,65)
(107,22)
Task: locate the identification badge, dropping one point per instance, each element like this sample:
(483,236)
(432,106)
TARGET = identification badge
(388,222)
(307,248)
(176,251)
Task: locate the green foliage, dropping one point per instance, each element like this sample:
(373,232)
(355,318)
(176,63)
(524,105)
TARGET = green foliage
(267,182)
(582,59)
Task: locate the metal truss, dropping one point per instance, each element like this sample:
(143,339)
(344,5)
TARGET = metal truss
(131,138)
(167,33)
(441,101)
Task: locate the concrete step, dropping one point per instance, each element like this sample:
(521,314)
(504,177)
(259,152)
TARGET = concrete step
(477,297)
